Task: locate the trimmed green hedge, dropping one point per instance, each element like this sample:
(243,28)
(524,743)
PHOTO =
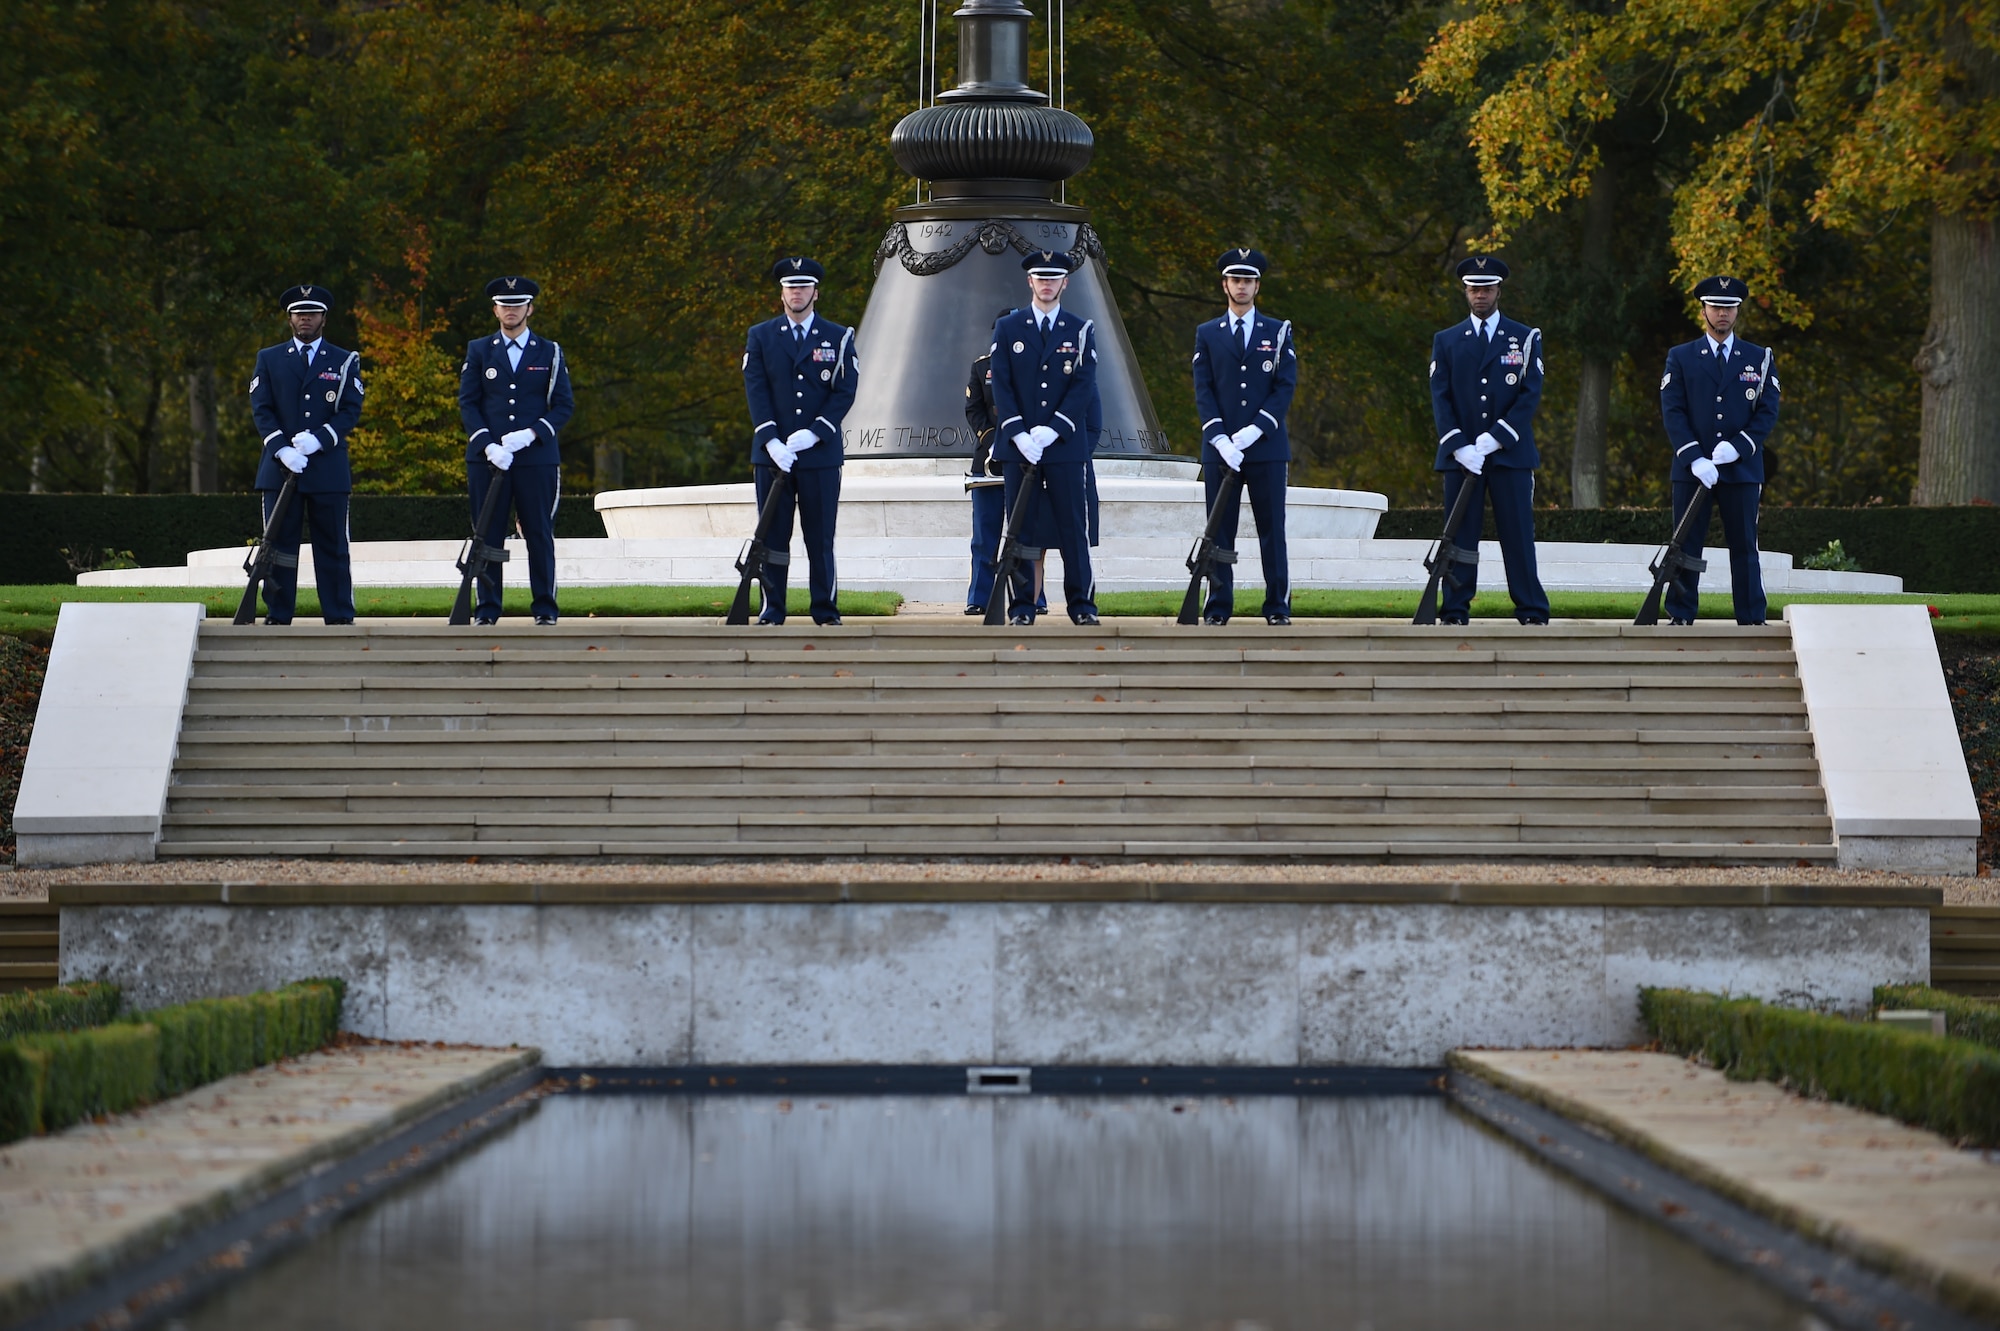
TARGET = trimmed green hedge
(1950,1086)
(72,1007)
(1965,1018)
(1930,549)
(50,1081)
(161,529)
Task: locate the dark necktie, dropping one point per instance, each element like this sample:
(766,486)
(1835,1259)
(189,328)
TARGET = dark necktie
(1242,335)
(798,335)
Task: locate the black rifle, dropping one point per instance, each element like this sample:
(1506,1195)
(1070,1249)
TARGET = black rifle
(1012,552)
(262,555)
(476,556)
(1207,552)
(1673,561)
(1443,558)
(757,552)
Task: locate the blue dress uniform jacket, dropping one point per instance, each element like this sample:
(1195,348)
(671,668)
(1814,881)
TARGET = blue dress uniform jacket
(288,397)
(1234,387)
(1040,380)
(794,386)
(1481,386)
(1703,403)
(497,398)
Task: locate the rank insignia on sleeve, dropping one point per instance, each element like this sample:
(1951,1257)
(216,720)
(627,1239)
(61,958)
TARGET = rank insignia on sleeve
(1666,378)
(254,381)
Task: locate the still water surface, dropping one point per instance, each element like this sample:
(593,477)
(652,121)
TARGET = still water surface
(614,1213)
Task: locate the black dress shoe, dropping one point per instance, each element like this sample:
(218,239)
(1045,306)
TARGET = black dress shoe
(1088,619)
(1020,621)
(1278,620)
(277,623)
(485,621)
(545,619)
(764,623)
(1457,622)
(833,623)
(1678,622)
(975,609)
(1538,623)
(1216,620)
(336,623)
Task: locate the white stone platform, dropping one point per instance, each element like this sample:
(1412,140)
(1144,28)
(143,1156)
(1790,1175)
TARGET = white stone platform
(906,531)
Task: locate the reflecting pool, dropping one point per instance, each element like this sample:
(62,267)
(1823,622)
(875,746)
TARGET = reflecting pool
(622,1213)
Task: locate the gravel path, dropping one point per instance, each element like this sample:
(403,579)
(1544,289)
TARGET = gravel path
(33,884)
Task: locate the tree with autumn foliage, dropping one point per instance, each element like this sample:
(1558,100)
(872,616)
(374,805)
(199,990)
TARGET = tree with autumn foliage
(1812,114)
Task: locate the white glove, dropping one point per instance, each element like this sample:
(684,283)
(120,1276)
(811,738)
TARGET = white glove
(1043,435)
(516,440)
(781,456)
(292,458)
(306,442)
(1723,454)
(800,440)
(1226,449)
(499,456)
(1705,472)
(1469,457)
(1486,444)
(1245,437)
(1031,449)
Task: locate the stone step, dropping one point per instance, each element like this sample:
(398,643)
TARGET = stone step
(1672,853)
(426,772)
(1105,797)
(472,747)
(1159,717)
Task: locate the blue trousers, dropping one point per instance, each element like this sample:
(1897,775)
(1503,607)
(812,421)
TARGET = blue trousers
(1512,491)
(332,573)
(989,515)
(1737,502)
(1062,506)
(1265,483)
(533,493)
(816,496)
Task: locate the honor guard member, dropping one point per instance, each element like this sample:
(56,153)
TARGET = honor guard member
(1486,384)
(983,482)
(799,371)
(305,396)
(1245,370)
(1044,385)
(1719,400)
(514,397)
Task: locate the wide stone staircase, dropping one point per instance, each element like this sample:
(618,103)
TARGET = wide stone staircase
(1337,740)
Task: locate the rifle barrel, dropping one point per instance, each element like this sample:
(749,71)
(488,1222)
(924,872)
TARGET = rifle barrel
(1445,556)
(258,564)
(1010,547)
(1201,559)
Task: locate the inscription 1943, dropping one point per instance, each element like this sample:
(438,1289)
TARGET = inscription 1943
(961,440)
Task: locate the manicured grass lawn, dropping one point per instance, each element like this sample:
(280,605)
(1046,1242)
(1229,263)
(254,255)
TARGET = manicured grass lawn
(35,608)
(1969,613)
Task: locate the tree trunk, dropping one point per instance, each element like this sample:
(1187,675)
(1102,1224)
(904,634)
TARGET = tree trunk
(1958,459)
(608,464)
(1593,394)
(204,453)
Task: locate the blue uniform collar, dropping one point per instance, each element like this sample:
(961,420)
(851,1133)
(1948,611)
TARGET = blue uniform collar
(313,346)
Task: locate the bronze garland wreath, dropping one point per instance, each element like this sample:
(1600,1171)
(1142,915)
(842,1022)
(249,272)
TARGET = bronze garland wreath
(993,237)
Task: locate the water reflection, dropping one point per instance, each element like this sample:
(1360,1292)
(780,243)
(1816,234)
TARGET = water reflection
(625,1214)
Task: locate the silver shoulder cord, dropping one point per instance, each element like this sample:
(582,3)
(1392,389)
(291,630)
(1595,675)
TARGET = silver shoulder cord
(346,367)
(555,372)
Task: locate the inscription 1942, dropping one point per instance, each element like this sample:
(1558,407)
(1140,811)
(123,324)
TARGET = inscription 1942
(960,439)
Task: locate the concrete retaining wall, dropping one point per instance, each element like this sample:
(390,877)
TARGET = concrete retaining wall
(1085,983)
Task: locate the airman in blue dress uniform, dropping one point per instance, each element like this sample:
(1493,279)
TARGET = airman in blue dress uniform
(1044,388)
(514,399)
(1245,371)
(1719,401)
(1486,385)
(799,372)
(305,396)
(983,483)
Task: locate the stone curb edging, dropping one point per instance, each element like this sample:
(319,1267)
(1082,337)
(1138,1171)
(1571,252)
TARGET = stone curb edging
(43,1298)
(1902,1264)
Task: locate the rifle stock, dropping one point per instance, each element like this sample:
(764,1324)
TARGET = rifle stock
(756,552)
(476,554)
(1441,559)
(1672,562)
(1012,551)
(258,562)
(1206,553)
